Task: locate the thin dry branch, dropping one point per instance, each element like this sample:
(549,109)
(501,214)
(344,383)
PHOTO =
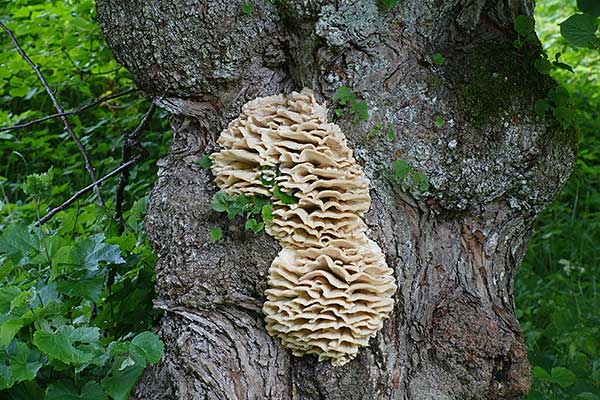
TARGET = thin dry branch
(88,164)
(85,190)
(71,112)
(131,142)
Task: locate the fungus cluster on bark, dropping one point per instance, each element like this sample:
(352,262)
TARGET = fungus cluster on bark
(330,287)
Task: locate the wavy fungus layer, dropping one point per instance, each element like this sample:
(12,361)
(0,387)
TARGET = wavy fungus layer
(330,287)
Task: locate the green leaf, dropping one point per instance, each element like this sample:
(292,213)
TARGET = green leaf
(541,106)
(543,66)
(204,161)
(87,254)
(283,197)
(523,25)
(17,243)
(24,363)
(267,213)
(266,182)
(390,134)
(540,373)
(220,201)
(438,59)
(579,30)
(587,396)
(388,4)
(148,345)
(67,344)
(90,288)
(591,7)
(120,383)
(216,234)
(439,122)
(253,225)
(400,170)
(420,182)
(66,390)
(562,376)
(247,8)
(360,110)
(344,95)
(564,66)
(8,330)
(374,131)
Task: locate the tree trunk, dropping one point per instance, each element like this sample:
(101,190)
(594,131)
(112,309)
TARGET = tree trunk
(492,166)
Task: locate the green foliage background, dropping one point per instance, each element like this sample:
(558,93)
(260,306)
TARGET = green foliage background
(67,332)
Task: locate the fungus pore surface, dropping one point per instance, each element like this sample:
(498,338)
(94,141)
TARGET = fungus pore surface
(330,287)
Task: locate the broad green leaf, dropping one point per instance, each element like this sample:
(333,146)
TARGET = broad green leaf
(388,4)
(540,373)
(148,345)
(90,288)
(66,390)
(18,243)
(579,30)
(360,110)
(120,383)
(587,396)
(24,363)
(591,7)
(541,106)
(67,343)
(220,201)
(88,253)
(439,121)
(8,330)
(6,380)
(344,95)
(562,376)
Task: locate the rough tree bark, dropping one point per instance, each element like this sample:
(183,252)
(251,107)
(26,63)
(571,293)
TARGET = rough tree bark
(493,166)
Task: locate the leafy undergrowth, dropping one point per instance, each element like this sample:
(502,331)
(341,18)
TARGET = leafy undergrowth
(75,294)
(557,288)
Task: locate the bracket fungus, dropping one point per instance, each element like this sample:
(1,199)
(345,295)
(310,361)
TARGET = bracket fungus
(330,287)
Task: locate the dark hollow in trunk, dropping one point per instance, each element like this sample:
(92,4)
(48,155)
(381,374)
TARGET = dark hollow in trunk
(492,166)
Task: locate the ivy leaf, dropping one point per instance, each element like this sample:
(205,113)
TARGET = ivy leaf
(439,122)
(420,182)
(438,59)
(400,170)
(344,95)
(253,225)
(390,134)
(148,346)
(540,373)
(205,162)
(247,8)
(66,390)
(579,30)
(267,213)
(216,234)
(591,7)
(220,201)
(360,110)
(283,197)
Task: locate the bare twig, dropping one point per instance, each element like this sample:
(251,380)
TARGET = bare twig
(59,109)
(71,112)
(85,190)
(131,141)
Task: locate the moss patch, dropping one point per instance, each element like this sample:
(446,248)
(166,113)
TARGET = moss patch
(496,77)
